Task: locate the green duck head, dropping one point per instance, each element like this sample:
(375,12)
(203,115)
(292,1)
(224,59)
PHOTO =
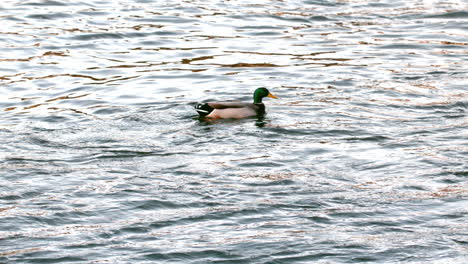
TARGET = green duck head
(260,93)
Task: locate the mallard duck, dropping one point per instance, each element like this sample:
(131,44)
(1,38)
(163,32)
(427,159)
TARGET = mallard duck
(235,109)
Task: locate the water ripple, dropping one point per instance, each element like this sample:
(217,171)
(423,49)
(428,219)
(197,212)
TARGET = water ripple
(362,159)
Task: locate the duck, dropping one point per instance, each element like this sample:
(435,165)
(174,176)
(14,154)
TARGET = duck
(235,109)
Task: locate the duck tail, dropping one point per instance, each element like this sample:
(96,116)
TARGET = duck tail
(203,109)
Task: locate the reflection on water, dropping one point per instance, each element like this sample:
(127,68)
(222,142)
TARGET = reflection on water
(363,159)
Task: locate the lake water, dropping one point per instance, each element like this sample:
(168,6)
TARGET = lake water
(362,159)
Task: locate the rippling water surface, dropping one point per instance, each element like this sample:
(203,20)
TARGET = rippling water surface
(362,159)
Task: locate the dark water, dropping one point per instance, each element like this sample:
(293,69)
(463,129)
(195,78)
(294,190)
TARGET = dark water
(363,159)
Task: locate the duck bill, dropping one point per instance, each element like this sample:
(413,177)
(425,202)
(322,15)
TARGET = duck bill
(272,96)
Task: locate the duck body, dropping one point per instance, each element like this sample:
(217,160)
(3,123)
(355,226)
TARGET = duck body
(232,109)
(235,109)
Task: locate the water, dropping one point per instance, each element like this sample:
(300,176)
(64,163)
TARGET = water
(362,159)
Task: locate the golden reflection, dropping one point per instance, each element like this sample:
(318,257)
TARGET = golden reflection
(19,252)
(173,69)
(245,65)
(280,176)
(450,191)
(58,75)
(282,54)
(319,59)
(118,78)
(8,77)
(48,53)
(54,53)
(76,111)
(188,61)
(7,208)
(123,66)
(167,48)
(32,106)
(231,73)
(26,98)
(138,27)
(442,42)
(209,37)
(66,97)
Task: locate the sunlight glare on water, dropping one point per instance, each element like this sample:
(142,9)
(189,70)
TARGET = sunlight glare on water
(361,159)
